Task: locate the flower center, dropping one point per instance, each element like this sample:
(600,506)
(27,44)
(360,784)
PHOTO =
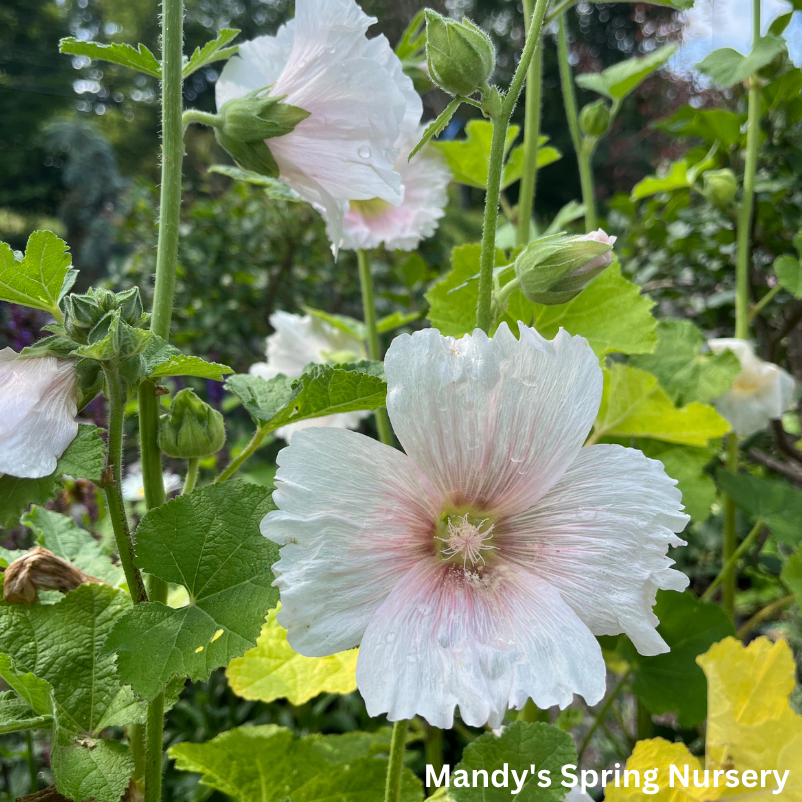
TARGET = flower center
(464,538)
(370,208)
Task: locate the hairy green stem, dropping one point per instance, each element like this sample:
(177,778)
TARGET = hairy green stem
(764,302)
(30,757)
(201,117)
(602,713)
(526,192)
(243,455)
(764,614)
(748,202)
(582,149)
(192,475)
(501,122)
(117,398)
(730,536)
(392,788)
(729,566)
(374,347)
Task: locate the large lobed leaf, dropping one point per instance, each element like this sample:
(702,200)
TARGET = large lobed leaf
(209,542)
(727,67)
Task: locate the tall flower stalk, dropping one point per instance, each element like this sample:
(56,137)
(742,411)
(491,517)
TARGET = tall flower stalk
(500,118)
(745,215)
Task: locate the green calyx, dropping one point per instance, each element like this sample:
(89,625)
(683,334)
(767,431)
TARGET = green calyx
(556,268)
(246,122)
(460,56)
(87,317)
(191,429)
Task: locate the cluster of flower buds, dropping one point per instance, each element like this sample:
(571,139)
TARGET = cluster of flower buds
(191,429)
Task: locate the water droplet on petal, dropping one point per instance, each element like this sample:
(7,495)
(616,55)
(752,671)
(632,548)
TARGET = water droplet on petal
(390,637)
(364,152)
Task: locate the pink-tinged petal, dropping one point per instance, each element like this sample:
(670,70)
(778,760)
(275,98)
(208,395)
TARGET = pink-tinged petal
(38,404)
(600,536)
(354,516)
(444,639)
(493,423)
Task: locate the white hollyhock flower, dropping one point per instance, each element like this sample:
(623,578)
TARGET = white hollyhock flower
(760,393)
(475,569)
(357,96)
(134,485)
(38,404)
(368,224)
(299,341)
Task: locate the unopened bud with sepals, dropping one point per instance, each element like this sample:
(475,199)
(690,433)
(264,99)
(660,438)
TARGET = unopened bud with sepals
(191,429)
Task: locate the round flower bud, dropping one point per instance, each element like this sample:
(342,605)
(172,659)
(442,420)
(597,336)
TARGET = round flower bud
(720,186)
(460,55)
(594,119)
(191,429)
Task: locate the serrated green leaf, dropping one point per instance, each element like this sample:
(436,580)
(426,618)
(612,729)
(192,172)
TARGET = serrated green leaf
(437,126)
(728,67)
(610,313)
(520,745)
(775,502)
(54,345)
(7,556)
(274,189)
(61,644)
(675,178)
(99,770)
(683,371)
(83,459)
(212,51)
(209,542)
(263,398)
(789,274)
(65,539)
(452,300)
(673,682)
(634,405)
(711,125)
(687,465)
(37,279)
(162,359)
(618,81)
(35,693)
(16,715)
(141,59)
(274,671)
(267,764)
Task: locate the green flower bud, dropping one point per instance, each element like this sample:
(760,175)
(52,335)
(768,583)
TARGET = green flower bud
(460,55)
(720,186)
(594,119)
(191,429)
(555,269)
(245,124)
(83,313)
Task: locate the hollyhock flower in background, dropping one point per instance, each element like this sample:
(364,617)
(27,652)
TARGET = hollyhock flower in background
(368,224)
(761,392)
(38,405)
(134,485)
(358,99)
(299,341)
(475,569)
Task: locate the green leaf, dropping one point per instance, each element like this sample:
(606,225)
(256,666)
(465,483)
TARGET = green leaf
(452,300)
(261,397)
(83,459)
(514,166)
(673,682)
(567,214)
(92,769)
(775,502)
(468,158)
(61,644)
(274,671)
(437,126)
(35,693)
(683,371)
(610,312)
(141,60)
(675,178)
(162,359)
(634,405)
(37,279)
(121,342)
(618,81)
(267,764)
(396,320)
(209,542)
(711,125)
(347,325)
(212,51)
(274,189)
(728,67)
(16,715)
(687,465)
(792,574)
(65,539)
(520,745)
(789,274)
